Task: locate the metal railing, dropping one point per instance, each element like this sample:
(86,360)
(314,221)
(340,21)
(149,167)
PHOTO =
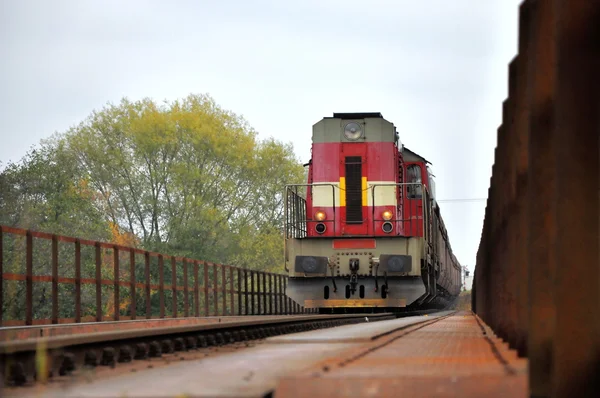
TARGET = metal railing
(50,279)
(296,219)
(425,213)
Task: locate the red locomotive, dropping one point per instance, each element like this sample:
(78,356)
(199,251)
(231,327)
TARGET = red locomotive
(365,230)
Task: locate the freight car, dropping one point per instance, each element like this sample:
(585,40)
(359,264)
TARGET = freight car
(365,230)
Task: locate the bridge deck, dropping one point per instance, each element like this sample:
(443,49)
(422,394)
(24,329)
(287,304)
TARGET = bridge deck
(453,356)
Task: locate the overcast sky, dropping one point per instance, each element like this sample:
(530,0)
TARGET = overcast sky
(437,69)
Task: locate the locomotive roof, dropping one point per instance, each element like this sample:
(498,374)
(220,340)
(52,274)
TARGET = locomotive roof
(356,115)
(405,149)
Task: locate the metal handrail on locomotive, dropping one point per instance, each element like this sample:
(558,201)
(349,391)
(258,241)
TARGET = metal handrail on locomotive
(365,230)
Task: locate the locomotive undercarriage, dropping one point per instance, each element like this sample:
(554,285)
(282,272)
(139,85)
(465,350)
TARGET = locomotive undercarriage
(336,292)
(363,278)
(388,276)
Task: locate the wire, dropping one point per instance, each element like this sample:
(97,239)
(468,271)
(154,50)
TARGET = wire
(462,200)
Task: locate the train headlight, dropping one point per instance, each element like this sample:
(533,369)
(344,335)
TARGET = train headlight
(387,227)
(352,131)
(387,215)
(320,215)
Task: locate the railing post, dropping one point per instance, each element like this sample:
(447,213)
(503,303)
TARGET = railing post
(239,290)
(231,291)
(245,292)
(132,283)
(196,289)
(77,282)
(258,294)
(264,293)
(224,292)
(98,282)
(252,293)
(54,279)
(29,279)
(148,284)
(116,282)
(285,298)
(215,289)
(206,281)
(174,285)
(270,293)
(281,295)
(186,304)
(161,285)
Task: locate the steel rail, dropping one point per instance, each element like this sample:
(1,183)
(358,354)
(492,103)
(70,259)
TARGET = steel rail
(64,354)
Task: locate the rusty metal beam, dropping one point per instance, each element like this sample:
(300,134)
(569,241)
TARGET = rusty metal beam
(576,346)
(541,206)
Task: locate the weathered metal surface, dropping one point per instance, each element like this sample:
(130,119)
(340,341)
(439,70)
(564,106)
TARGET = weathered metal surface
(252,372)
(577,285)
(449,356)
(32,332)
(363,332)
(542,212)
(138,330)
(537,279)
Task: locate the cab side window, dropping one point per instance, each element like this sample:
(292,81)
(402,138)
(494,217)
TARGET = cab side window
(413,174)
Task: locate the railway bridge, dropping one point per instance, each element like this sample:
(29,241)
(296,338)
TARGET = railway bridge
(218,330)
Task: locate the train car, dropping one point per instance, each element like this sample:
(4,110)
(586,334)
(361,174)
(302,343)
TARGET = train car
(365,230)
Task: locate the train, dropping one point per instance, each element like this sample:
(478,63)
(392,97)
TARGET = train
(364,230)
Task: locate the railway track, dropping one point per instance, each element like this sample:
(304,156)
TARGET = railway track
(25,362)
(450,353)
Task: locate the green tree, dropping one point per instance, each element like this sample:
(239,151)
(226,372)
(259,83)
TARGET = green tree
(45,191)
(183,178)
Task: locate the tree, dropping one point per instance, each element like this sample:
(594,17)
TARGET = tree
(184,178)
(45,191)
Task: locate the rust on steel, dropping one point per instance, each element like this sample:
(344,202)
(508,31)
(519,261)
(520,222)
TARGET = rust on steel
(577,117)
(29,279)
(239,289)
(215,275)
(196,288)
(456,355)
(147,287)
(77,280)
(161,285)
(186,304)
(54,279)
(132,285)
(174,287)
(215,291)
(224,290)
(541,212)
(98,282)
(233,292)
(520,178)
(537,277)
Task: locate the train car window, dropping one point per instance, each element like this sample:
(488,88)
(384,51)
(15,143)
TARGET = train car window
(413,176)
